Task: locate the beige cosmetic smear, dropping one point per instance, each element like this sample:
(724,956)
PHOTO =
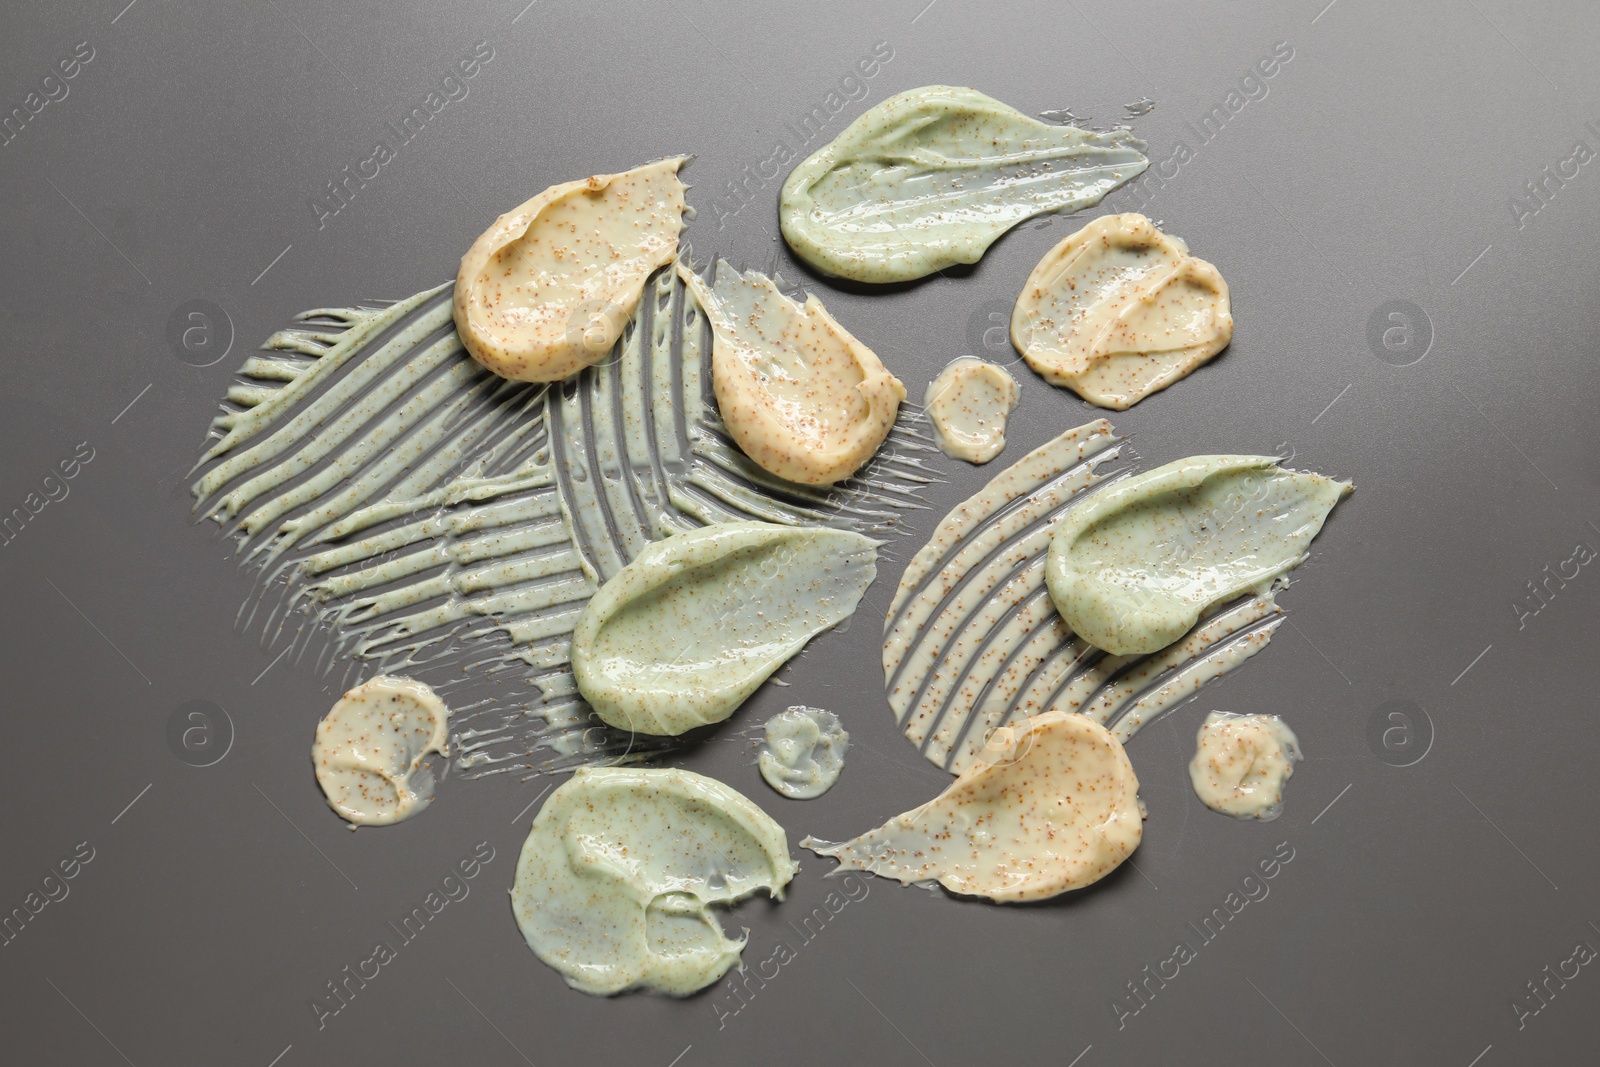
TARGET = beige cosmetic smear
(547,290)
(798,394)
(370,749)
(1241,763)
(968,404)
(1120,310)
(1057,810)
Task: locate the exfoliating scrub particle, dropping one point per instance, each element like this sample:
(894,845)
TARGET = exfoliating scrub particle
(370,748)
(619,873)
(803,752)
(1057,809)
(968,404)
(547,290)
(798,394)
(691,627)
(931,177)
(1137,564)
(1241,763)
(1120,310)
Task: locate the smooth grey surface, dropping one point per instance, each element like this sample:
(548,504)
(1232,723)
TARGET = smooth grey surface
(1381,165)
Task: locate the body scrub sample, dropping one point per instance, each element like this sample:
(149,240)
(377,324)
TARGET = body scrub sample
(1136,565)
(691,627)
(1120,310)
(370,749)
(548,288)
(931,177)
(1241,763)
(1057,809)
(968,404)
(803,752)
(618,876)
(798,394)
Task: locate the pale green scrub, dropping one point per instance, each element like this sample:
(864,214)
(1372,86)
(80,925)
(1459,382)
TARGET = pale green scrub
(691,627)
(616,881)
(803,752)
(1136,565)
(932,176)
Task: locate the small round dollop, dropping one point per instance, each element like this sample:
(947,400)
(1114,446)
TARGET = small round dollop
(1241,763)
(370,748)
(803,752)
(968,404)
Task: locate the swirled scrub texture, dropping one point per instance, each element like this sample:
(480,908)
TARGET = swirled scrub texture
(968,404)
(1241,763)
(547,290)
(370,748)
(932,176)
(802,752)
(1137,564)
(618,876)
(798,394)
(1056,809)
(1120,310)
(683,634)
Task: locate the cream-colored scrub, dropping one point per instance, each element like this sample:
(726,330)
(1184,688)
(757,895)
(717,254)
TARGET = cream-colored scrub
(416,504)
(1135,567)
(1057,809)
(547,289)
(972,641)
(1120,310)
(803,752)
(691,627)
(968,404)
(618,876)
(1241,763)
(370,749)
(932,176)
(799,394)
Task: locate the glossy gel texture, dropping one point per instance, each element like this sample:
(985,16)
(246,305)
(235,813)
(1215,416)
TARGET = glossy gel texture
(1134,566)
(618,876)
(370,748)
(803,751)
(932,176)
(691,627)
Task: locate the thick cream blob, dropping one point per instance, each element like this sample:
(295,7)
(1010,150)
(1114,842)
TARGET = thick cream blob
(617,878)
(370,748)
(1135,565)
(1241,763)
(683,634)
(932,176)
(547,290)
(802,752)
(1120,310)
(968,404)
(1055,808)
(798,393)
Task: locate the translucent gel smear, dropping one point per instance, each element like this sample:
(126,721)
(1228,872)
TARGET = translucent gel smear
(618,876)
(1241,763)
(370,748)
(968,404)
(973,642)
(547,290)
(798,394)
(1135,567)
(1120,310)
(803,751)
(691,627)
(1057,809)
(931,177)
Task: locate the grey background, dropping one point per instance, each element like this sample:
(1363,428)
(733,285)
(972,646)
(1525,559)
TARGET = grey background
(1380,166)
